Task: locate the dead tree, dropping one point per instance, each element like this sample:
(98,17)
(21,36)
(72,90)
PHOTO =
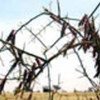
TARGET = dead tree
(84,39)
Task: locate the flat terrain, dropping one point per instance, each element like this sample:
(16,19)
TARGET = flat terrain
(45,96)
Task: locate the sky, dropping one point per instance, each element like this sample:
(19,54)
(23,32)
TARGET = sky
(15,12)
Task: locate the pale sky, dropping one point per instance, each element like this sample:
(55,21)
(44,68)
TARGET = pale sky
(15,11)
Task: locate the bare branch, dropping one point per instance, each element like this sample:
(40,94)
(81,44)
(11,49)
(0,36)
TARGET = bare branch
(22,50)
(59,10)
(36,37)
(94,10)
(29,21)
(84,70)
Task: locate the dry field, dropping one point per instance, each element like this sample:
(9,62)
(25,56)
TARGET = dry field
(45,96)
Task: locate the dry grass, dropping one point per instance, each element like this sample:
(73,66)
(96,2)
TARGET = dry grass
(45,96)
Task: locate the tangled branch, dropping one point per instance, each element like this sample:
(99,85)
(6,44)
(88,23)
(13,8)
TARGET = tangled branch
(84,39)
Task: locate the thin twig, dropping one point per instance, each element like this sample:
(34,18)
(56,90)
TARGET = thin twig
(58,6)
(36,37)
(68,46)
(84,70)
(72,19)
(94,10)
(30,54)
(52,45)
(29,22)
(44,28)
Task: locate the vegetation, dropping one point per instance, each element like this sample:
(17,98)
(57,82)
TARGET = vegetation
(31,65)
(56,96)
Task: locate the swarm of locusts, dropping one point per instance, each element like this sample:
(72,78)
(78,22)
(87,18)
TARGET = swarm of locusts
(84,39)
